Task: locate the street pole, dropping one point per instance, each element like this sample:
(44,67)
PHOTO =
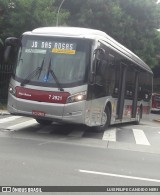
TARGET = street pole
(59,11)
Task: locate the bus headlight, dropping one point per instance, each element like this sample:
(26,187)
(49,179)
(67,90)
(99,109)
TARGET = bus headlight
(12,90)
(77,97)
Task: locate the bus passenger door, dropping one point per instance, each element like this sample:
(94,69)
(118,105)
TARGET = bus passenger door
(96,95)
(97,88)
(120,89)
(135,96)
(131,92)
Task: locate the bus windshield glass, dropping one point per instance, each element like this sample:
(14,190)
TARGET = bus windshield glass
(67,58)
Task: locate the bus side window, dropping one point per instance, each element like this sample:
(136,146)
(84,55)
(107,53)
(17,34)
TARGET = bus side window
(110,82)
(101,66)
(130,82)
(110,74)
(116,81)
(111,59)
(140,94)
(105,76)
(145,87)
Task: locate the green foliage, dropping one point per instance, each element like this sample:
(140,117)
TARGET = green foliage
(145,15)
(131,22)
(26,15)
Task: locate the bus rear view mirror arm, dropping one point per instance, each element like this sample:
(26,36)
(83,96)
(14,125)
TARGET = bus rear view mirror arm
(99,53)
(92,78)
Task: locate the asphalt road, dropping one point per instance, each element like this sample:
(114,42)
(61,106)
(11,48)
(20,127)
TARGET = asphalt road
(56,159)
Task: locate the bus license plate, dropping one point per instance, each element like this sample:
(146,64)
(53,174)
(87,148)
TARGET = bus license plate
(38,113)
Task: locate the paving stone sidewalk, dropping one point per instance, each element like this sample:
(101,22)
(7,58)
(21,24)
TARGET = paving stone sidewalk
(4,112)
(156,120)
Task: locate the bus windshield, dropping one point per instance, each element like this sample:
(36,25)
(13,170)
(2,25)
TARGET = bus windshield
(66,58)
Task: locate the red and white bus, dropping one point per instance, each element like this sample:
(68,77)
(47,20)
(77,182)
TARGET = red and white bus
(155,102)
(77,75)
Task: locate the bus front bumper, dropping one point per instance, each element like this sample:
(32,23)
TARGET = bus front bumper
(64,113)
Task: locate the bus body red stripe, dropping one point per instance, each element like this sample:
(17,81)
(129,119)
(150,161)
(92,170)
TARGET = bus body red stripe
(42,96)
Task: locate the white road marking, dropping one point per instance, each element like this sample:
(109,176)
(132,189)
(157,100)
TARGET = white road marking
(109,135)
(76,133)
(117,175)
(140,137)
(22,125)
(8,119)
(151,127)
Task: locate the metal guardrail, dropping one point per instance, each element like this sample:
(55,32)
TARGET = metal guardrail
(5,75)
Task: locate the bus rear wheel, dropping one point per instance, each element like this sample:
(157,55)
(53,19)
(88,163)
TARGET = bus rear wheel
(43,121)
(106,118)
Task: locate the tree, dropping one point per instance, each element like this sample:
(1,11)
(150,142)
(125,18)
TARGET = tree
(26,15)
(132,23)
(145,17)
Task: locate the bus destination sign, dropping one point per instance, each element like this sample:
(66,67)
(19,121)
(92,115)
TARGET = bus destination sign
(56,47)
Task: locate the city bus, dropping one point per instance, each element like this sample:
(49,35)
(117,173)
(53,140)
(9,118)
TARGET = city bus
(155,102)
(77,75)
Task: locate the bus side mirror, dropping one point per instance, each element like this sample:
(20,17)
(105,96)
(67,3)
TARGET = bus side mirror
(7,54)
(12,41)
(99,53)
(11,44)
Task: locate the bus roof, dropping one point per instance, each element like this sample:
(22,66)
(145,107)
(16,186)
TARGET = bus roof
(69,31)
(92,34)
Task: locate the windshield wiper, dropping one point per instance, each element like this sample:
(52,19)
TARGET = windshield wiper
(54,76)
(33,74)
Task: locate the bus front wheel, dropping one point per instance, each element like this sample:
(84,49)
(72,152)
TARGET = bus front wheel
(106,118)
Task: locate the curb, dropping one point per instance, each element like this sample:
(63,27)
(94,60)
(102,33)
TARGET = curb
(156,120)
(4,112)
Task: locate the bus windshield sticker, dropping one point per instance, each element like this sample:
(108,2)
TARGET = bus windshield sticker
(41,51)
(64,48)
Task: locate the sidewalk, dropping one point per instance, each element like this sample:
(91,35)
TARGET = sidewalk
(156,120)
(4,112)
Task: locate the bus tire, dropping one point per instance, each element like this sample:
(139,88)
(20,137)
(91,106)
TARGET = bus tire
(107,113)
(43,121)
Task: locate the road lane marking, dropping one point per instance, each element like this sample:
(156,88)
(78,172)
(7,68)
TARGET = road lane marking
(9,119)
(140,137)
(109,135)
(151,127)
(117,175)
(22,125)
